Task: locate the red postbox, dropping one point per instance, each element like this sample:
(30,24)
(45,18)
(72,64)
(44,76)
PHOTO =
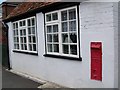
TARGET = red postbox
(96,61)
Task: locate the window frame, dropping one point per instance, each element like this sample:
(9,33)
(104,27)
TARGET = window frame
(27,42)
(59,21)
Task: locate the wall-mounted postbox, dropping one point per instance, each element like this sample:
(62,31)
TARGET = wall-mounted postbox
(96,61)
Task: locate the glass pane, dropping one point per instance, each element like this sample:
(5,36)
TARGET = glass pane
(49,38)
(48,17)
(64,27)
(25,46)
(13,25)
(29,39)
(16,32)
(33,30)
(33,21)
(64,15)
(34,39)
(73,38)
(55,28)
(29,23)
(73,49)
(56,47)
(72,14)
(30,47)
(22,46)
(21,32)
(29,30)
(23,23)
(49,29)
(16,25)
(55,16)
(24,31)
(65,38)
(20,23)
(65,49)
(34,47)
(21,39)
(24,39)
(17,39)
(55,38)
(49,47)
(72,26)
(17,46)
(14,39)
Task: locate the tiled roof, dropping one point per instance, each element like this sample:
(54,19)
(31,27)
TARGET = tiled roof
(26,7)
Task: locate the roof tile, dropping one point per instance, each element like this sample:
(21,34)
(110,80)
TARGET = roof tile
(27,6)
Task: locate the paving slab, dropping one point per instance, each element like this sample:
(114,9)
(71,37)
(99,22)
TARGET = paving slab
(11,80)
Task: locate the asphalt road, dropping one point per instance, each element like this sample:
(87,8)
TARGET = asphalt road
(10,80)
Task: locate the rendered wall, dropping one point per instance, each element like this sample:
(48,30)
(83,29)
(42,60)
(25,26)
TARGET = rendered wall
(96,24)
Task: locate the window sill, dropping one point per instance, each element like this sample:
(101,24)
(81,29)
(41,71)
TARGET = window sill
(63,57)
(30,53)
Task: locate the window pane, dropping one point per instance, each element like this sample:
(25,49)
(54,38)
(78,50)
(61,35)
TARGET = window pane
(25,47)
(55,16)
(48,17)
(72,14)
(34,39)
(56,47)
(24,23)
(49,38)
(64,27)
(34,47)
(65,38)
(17,46)
(17,39)
(29,39)
(30,47)
(65,49)
(33,30)
(73,38)
(49,47)
(64,15)
(55,38)
(73,49)
(20,23)
(16,25)
(24,39)
(13,25)
(21,39)
(29,30)
(33,21)
(72,26)
(24,31)
(29,23)
(49,29)
(21,32)
(55,28)
(22,46)
(16,32)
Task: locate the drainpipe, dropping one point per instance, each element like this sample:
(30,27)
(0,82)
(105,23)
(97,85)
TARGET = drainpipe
(7,35)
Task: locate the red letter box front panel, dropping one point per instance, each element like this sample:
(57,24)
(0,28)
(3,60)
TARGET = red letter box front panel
(96,61)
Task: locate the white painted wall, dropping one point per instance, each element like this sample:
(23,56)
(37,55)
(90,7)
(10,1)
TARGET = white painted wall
(96,25)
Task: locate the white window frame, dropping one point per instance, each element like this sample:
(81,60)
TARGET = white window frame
(60,31)
(27,42)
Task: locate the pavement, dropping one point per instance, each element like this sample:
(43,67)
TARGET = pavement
(11,80)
